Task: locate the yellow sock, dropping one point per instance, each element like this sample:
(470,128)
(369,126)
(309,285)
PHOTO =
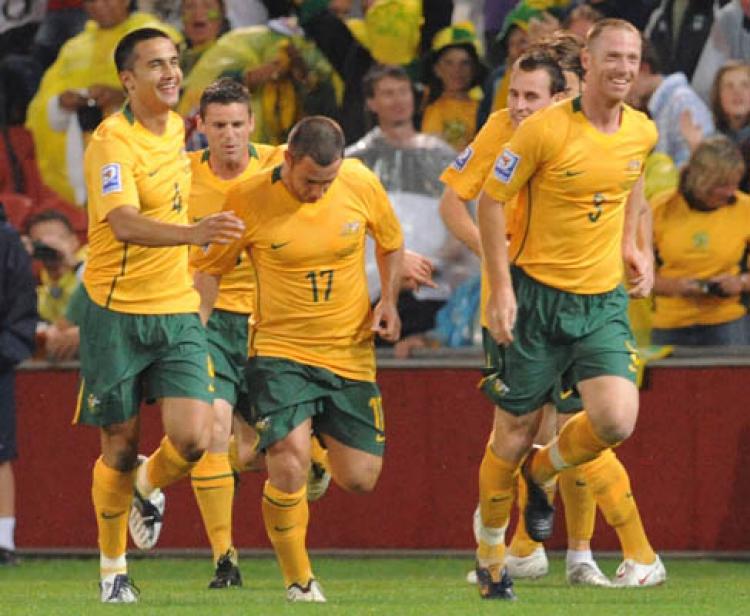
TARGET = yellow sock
(610,484)
(213,486)
(286,517)
(577,443)
(497,480)
(580,506)
(112,494)
(163,467)
(522,545)
(318,453)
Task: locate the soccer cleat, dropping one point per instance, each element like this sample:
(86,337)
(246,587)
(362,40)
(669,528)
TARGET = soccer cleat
(8,558)
(227,572)
(539,514)
(146,515)
(530,567)
(631,574)
(118,589)
(318,479)
(495,583)
(586,574)
(312,593)
(471,577)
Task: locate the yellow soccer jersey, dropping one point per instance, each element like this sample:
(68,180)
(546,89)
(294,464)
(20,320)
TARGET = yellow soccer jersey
(698,245)
(126,164)
(312,301)
(207,196)
(578,180)
(454,120)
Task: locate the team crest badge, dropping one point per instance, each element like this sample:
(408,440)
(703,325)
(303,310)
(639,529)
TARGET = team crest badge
(350,228)
(505,165)
(463,159)
(111,179)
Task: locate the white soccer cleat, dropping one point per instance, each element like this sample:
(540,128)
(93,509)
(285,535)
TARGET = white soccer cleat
(632,574)
(318,480)
(530,567)
(146,516)
(471,576)
(118,588)
(312,593)
(586,574)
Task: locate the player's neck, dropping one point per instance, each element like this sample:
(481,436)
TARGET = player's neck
(604,115)
(228,170)
(153,120)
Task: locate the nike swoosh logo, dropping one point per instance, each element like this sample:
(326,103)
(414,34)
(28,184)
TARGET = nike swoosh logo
(153,173)
(197,218)
(111,516)
(499,499)
(644,579)
(277,246)
(571,174)
(283,529)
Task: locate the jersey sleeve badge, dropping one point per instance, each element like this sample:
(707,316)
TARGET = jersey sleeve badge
(111,179)
(463,159)
(505,165)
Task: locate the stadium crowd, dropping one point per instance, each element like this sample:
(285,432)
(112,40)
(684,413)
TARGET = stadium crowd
(418,90)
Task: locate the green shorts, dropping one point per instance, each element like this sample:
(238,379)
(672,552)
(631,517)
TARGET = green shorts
(559,337)
(284,393)
(227,343)
(128,358)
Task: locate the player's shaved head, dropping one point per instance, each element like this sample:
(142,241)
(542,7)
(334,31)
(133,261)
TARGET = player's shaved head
(608,24)
(318,137)
(224,91)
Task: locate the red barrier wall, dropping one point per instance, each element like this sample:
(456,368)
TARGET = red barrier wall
(688,463)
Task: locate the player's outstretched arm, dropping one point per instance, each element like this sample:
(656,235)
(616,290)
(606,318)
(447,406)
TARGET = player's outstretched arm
(207,286)
(129,225)
(385,320)
(458,220)
(501,304)
(637,242)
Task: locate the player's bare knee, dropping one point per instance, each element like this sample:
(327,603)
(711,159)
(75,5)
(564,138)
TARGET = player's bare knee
(124,459)
(192,449)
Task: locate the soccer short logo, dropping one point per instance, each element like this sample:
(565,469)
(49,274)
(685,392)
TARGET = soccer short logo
(111,179)
(462,159)
(505,165)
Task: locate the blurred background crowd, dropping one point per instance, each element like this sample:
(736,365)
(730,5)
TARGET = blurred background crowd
(411,82)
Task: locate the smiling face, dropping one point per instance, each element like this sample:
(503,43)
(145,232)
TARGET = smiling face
(201,20)
(155,78)
(612,62)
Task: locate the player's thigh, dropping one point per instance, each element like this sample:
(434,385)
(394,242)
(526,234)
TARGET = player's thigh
(221,426)
(288,459)
(513,435)
(188,424)
(612,406)
(353,469)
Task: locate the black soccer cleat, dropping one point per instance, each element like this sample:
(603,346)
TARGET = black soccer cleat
(227,573)
(539,514)
(495,583)
(8,558)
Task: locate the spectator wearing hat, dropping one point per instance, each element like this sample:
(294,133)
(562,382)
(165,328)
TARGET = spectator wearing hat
(455,69)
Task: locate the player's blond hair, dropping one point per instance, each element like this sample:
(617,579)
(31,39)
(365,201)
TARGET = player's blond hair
(715,160)
(609,23)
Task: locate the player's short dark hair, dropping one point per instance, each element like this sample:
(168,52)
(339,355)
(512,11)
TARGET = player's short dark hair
(224,91)
(47,216)
(567,48)
(381,71)
(542,59)
(124,52)
(318,137)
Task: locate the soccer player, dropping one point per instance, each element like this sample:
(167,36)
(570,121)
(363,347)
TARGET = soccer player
(580,164)
(141,336)
(312,362)
(225,118)
(533,87)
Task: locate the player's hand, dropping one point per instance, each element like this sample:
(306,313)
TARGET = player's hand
(692,133)
(221,228)
(106,97)
(416,271)
(730,285)
(385,321)
(501,315)
(71,100)
(639,271)
(62,342)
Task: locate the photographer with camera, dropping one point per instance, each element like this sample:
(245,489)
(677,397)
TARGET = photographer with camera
(55,245)
(701,232)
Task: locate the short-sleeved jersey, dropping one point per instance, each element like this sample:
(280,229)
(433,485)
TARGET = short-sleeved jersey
(699,245)
(207,196)
(579,180)
(312,304)
(454,120)
(126,164)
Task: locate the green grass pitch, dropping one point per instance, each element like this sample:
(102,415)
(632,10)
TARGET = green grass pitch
(367,586)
